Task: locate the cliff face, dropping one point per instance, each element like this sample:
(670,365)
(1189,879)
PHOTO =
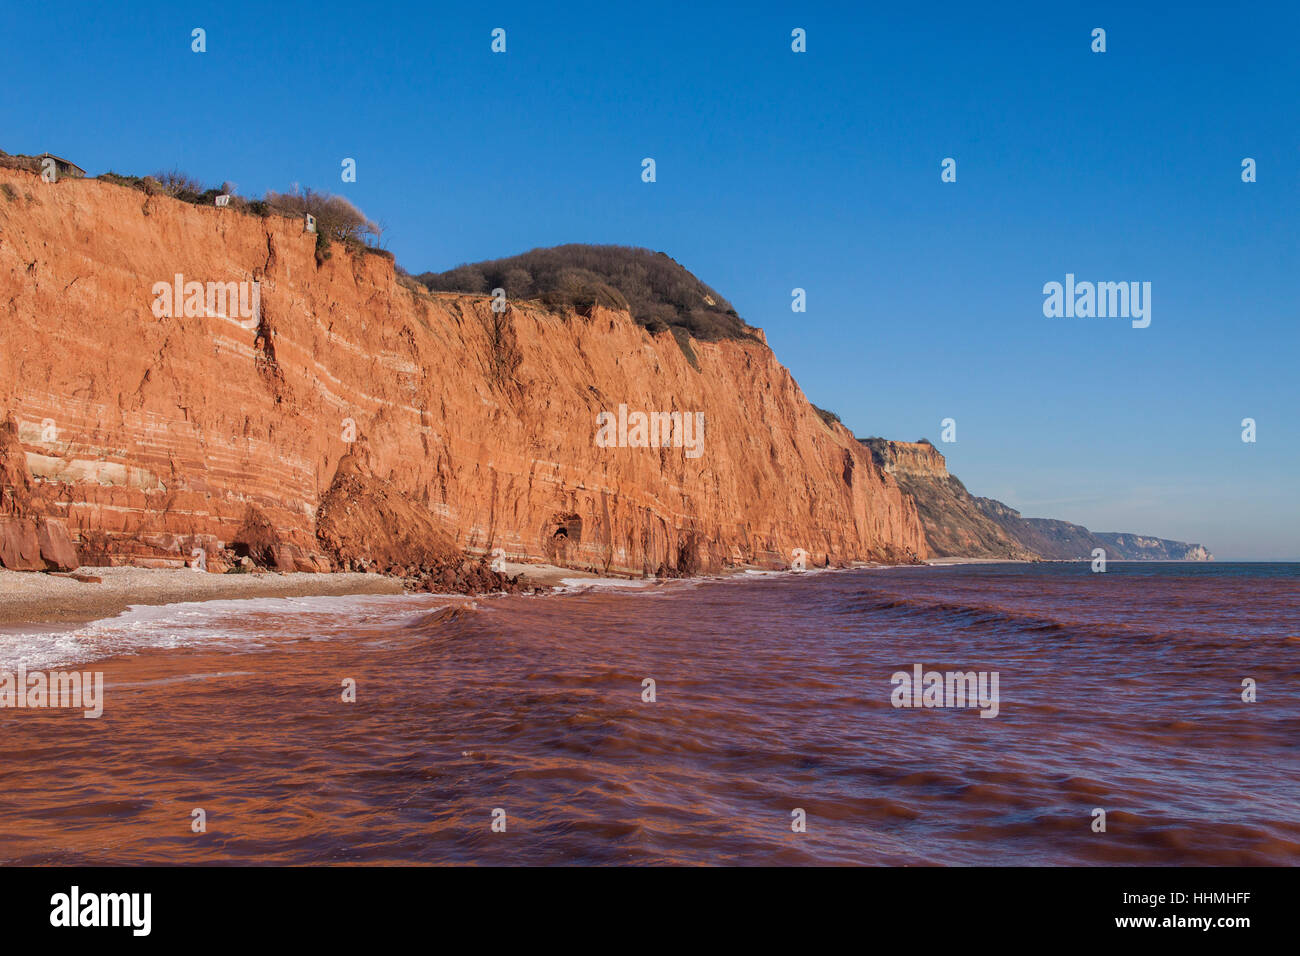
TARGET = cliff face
(959,524)
(955,524)
(911,459)
(150,437)
(1142,547)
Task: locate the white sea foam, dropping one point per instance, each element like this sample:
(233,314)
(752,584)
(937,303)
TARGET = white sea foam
(595,584)
(240,625)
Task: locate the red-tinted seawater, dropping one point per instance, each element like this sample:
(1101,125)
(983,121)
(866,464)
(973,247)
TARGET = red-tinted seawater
(1119,692)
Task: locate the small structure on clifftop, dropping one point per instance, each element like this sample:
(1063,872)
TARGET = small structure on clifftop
(64,166)
(35,164)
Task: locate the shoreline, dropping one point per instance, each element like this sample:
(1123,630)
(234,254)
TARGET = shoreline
(41,599)
(28,598)
(948,562)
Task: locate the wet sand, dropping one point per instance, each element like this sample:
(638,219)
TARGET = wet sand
(27,598)
(945,562)
(35,598)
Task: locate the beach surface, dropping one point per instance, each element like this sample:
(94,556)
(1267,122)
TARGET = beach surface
(49,598)
(37,598)
(948,562)
(30,598)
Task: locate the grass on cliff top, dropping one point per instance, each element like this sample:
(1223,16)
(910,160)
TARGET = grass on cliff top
(658,291)
(828,416)
(337,219)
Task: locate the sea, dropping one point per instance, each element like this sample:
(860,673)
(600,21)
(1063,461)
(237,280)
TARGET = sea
(1149,715)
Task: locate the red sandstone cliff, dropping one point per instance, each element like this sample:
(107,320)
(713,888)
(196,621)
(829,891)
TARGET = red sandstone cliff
(150,436)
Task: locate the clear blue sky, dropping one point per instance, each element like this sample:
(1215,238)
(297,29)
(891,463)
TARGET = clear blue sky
(818,170)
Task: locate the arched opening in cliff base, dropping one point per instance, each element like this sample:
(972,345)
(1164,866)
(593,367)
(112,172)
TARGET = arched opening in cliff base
(566,528)
(688,553)
(562,533)
(256,538)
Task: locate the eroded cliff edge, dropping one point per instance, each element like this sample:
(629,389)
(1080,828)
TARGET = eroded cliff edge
(462,429)
(959,524)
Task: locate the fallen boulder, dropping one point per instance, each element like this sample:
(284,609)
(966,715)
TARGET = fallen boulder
(56,547)
(19,548)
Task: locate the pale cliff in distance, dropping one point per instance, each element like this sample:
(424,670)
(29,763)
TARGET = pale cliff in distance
(364,422)
(959,524)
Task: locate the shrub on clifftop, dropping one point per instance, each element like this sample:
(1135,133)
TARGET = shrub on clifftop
(336,218)
(658,292)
